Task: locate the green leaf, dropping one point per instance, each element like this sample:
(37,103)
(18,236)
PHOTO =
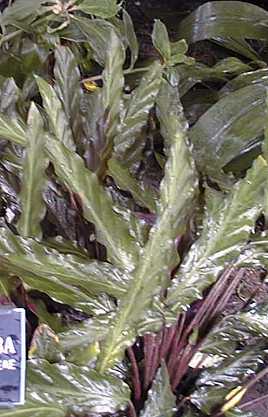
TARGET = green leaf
(13,130)
(112,231)
(161,401)
(66,278)
(35,408)
(21,10)
(58,121)
(137,111)
(245,79)
(131,38)
(80,389)
(215,383)
(127,182)
(225,19)
(161,40)
(228,127)
(67,77)
(159,255)
(103,8)
(34,178)
(226,230)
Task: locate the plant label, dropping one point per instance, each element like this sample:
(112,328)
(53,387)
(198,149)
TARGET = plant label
(12,356)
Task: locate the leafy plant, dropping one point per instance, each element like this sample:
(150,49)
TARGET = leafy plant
(125,233)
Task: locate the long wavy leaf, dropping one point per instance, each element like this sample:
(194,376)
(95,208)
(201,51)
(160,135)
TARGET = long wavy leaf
(67,278)
(155,263)
(35,163)
(226,229)
(112,231)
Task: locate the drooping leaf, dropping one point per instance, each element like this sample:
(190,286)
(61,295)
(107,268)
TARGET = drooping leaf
(104,8)
(35,163)
(228,127)
(112,231)
(131,38)
(12,129)
(159,255)
(127,182)
(58,121)
(21,10)
(226,230)
(225,19)
(79,389)
(161,401)
(66,278)
(245,79)
(136,116)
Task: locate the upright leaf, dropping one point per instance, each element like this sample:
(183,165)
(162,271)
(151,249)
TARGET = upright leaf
(112,231)
(226,230)
(161,40)
(67,77)
(159,255)
(138,108)
(13,130)
(34,165)
(131,37)
(161,401)
(58,122)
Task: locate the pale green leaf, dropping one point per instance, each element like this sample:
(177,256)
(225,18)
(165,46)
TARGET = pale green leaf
(112,231)
(13,130)
(131,38)
(34,178)
(35,408)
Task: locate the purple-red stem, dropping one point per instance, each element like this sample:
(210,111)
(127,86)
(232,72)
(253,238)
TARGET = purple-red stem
(135,375)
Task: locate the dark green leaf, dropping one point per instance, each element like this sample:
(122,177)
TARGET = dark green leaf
(228,127)
(247,78)
(34,165)
(161,401)
(226,19)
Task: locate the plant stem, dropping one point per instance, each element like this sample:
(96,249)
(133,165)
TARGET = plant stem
(253,402)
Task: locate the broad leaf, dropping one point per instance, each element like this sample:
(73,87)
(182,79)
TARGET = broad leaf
(103,8)
(225,19)
(228,127)
(161,401)
(112,231)
(159,255)
(245,79)
(226,230)
(80,389)
(34,165)
(66,278)
(58,121)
